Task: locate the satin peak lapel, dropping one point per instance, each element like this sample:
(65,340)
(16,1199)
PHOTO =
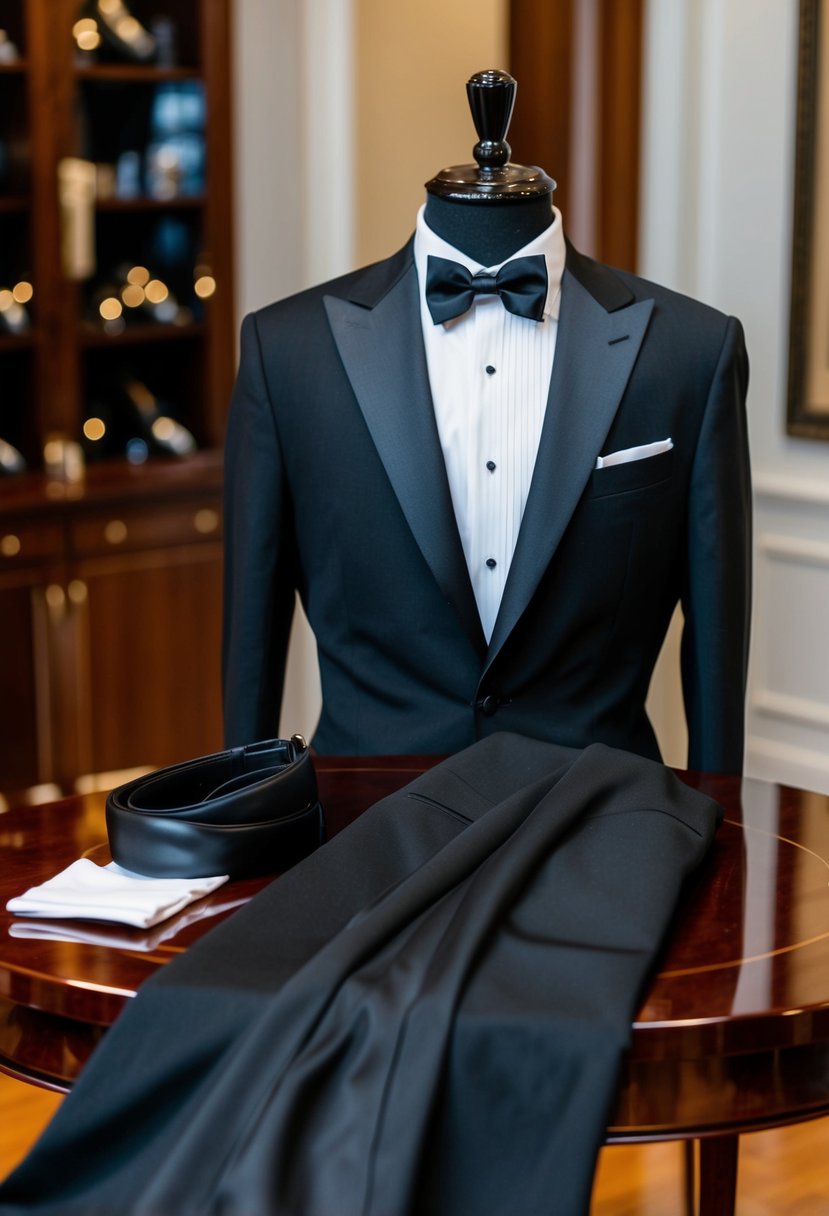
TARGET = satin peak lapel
(595,354)
(382,351)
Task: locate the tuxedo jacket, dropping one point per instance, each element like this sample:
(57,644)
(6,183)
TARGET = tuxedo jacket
(426,1016)
(336,488)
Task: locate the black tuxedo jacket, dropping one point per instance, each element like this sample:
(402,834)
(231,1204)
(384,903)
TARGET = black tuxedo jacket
(336,487)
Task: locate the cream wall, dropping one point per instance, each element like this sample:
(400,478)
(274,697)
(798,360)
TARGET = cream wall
(274,253)
(412,119)
(269,156)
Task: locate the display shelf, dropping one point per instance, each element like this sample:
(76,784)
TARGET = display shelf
(169,126)
(134,335)
(181,202)
(12,342)
(128,73)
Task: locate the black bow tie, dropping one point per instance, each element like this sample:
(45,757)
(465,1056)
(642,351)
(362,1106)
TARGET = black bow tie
(521,284)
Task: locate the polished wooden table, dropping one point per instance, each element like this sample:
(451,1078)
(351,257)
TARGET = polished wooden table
(732,1035)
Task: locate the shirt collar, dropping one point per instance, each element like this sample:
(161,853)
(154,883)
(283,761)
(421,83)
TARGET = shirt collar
(550,243)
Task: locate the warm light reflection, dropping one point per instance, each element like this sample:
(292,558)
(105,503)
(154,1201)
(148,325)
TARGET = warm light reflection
(77,591)
(115,533)
(14,314)
(204,286)
(127,28)
(110,308)
(132,295)
(94,428)
(85,33)
(55,596)
(206,521)
(89,41)
(108,7)
(156,291)
(23,292)
(139,275)
(53,451)
(163,429)
(142,396)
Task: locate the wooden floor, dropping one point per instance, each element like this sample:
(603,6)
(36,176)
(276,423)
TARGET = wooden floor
(782,1173)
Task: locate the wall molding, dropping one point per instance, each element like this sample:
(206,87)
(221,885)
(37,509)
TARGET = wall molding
(786,764)
(794,549)
(788,488)
(802,710)
(771,710)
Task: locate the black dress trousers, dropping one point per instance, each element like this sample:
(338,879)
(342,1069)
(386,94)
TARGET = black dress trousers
(424,1018)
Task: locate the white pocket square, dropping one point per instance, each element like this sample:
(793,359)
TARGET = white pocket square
(625,455)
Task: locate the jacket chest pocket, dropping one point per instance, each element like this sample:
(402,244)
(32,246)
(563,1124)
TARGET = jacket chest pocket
(634,475)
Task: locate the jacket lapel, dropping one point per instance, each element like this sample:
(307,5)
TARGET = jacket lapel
(378,335)
(596,348)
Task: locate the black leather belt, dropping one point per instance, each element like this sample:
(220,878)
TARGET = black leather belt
(247,811)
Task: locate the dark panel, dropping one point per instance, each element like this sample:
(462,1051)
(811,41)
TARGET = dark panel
(154,630)
(543,54)
(620,104)
(18,736)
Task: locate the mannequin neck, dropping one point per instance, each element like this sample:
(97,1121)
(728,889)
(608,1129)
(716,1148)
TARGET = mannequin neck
(489,233)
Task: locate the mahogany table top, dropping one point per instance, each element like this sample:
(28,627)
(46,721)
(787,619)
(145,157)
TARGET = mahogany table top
(732,1033)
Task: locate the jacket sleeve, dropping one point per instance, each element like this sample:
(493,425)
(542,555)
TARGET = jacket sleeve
(260,573)
(716,597)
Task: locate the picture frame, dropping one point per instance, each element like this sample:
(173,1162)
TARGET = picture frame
(807,413)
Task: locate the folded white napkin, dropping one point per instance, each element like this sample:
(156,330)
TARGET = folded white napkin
(124,937)
(85,891)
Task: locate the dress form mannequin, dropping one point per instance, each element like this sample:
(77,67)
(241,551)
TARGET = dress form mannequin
(493,208)
(332,437)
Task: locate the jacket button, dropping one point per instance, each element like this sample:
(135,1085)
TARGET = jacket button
(488,705)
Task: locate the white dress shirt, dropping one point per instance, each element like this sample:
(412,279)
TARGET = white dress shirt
(489,373)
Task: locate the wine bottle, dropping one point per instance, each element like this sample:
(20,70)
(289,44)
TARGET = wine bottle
(11,461)
(120,32)
(166,433)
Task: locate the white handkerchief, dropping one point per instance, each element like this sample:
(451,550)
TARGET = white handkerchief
(124,937)
(85,891)
(625,455)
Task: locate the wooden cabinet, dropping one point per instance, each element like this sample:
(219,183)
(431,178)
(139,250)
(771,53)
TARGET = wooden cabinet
(116,365)
(147,583)
(111,622)
(30,556)
(116,301)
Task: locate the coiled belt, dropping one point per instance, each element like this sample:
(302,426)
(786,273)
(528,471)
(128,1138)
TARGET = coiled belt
(246,811)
